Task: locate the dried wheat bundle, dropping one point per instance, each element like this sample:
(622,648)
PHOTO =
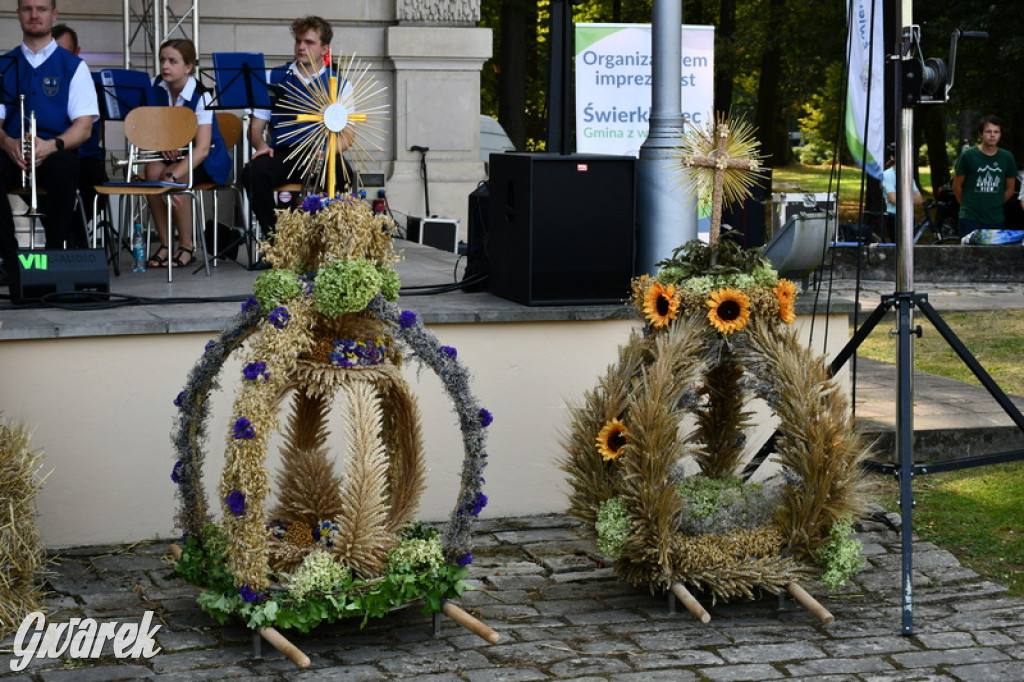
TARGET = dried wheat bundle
(21,548)
(363,536)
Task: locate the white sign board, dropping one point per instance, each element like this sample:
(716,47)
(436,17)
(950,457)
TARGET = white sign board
(613,84)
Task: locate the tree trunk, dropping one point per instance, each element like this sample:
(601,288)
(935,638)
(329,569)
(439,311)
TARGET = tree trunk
(512,73)
(931,120)
(724,62)
(768,118)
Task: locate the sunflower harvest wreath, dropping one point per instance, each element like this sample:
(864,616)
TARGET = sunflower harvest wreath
(322,324)
(675,510)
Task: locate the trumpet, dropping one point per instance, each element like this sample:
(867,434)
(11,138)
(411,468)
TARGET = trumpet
(28,150)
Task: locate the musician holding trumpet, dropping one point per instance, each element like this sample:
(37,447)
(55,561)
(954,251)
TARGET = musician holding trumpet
(60,96)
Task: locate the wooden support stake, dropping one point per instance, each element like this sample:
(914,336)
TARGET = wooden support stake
(470,623)
(811,604)
(690,602)
(290,651)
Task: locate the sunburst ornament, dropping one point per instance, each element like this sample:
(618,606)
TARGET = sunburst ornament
(345,112)
(719,162)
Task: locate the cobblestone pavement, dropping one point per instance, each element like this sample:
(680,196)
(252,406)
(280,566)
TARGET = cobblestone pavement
(562,615)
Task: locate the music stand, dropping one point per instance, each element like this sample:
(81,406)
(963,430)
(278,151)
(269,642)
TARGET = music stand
(121,90)
(240,82)
(9,83)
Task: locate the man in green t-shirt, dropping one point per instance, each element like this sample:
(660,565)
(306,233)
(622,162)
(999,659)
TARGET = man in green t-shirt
(984,180)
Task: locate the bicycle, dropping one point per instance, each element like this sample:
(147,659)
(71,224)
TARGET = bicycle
(939,230)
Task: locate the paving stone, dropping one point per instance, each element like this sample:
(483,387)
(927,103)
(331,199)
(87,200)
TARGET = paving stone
(947,657)
(358,673)
(494,674)
(588,665)
(99,673)
(421,664)
(989,672)
(868,646)
(790,651)
(684,658)
(828,666)
(742,673)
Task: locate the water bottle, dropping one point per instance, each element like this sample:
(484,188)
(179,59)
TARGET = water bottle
(138,249)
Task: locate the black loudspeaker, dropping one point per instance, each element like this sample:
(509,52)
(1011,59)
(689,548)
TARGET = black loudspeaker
(562,228)
(68,271)
(477,259)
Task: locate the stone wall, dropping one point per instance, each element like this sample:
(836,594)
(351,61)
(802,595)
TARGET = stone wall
(945,263)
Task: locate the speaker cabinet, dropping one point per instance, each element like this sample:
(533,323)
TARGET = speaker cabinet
(440,233)
(562,228)
(61,272)
(477,259)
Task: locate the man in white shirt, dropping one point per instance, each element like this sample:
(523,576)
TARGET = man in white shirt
(59,90)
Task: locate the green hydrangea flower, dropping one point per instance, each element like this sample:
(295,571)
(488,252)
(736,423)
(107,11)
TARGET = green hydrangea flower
(390,283)
(345,286)
(612,526)
(841,558)
(319,572)
(273,288)
(416,554)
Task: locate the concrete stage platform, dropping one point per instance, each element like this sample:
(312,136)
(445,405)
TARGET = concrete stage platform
(97,387)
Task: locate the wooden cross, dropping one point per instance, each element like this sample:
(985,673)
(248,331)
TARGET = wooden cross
(720,160)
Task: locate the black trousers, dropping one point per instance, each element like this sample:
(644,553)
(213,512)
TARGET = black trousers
(58,176)
(264,173)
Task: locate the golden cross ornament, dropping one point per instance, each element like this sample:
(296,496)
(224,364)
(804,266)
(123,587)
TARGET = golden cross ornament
(720,157)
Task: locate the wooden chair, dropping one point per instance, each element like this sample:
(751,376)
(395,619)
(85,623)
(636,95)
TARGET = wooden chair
(230,127)
(150,132)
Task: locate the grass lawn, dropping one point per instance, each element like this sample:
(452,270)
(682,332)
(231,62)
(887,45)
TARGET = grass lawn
(800,178)
(978,514)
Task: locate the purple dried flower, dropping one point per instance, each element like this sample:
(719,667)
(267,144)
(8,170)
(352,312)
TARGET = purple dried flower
(250,303)
(179,399)
(450,351)
(236,502)
(279,317)
(176,471)
(255,370)
(478,504)
(244,429)
(312,203)
(485,417)
(248,594)
(209,345)
(464,560)
(407,319)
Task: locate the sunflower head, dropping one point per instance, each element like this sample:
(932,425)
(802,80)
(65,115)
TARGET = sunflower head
(730,310)
(785,293)
(661,304)
(612,439)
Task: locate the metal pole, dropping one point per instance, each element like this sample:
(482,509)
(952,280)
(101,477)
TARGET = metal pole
(666,216)
(905,311)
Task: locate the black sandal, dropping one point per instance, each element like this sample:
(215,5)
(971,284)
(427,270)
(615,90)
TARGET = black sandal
(178,263)
(156,260)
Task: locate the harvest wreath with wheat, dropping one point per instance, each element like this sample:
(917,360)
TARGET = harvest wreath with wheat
(322,327)
(677,510)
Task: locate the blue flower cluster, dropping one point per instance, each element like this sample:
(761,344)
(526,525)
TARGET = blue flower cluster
(277,529)
(176,471)
(249,594)
(243,428)
(352,353)
(236,502)
(326,532)
(255,370)
(279,317)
